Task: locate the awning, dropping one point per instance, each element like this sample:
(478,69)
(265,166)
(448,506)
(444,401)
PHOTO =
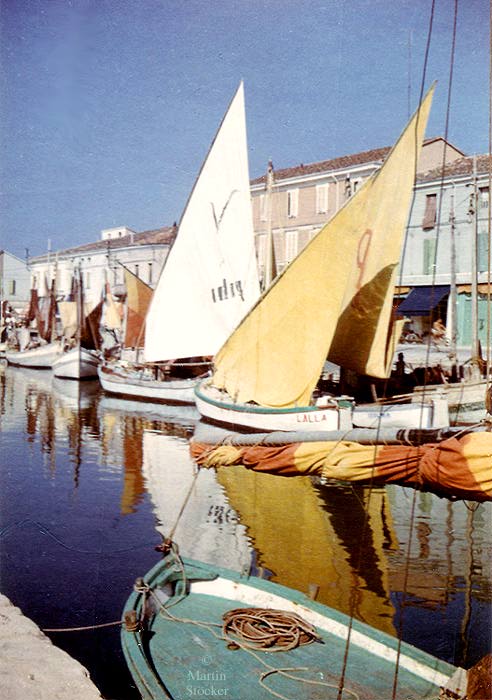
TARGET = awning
(422,300)
(482,288)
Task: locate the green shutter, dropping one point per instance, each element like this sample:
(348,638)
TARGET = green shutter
(429,255)
(482,251)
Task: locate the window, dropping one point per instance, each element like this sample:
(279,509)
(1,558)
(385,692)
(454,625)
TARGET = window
(483,197)
(263,207)
(150,273)
(292,203)
(290,245)
(261,248)
(136,270)
(429,255)
(321,199)
(482,251)
(429,221)
(12,287)
(355,185)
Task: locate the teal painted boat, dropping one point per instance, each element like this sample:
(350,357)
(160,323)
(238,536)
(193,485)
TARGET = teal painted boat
(178,645)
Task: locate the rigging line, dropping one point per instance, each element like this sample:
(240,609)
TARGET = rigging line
(414,498)
(358,566)
(421,94)
(441,183)
(489,252)
(185,503)
(468,587)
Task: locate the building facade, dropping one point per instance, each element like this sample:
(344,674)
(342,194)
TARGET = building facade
(103,261)
(14,282)
(448,245)
(305,197)
(450,210)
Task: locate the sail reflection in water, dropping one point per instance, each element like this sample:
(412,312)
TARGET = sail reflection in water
(192,506)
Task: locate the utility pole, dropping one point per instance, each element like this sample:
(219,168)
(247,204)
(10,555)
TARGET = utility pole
(270,266)
(453,356)
(475,346)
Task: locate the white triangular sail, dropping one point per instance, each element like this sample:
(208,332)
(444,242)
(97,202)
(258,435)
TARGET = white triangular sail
(210,279)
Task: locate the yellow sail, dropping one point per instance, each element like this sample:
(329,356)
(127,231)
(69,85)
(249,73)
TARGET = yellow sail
(335,299)
(139,296)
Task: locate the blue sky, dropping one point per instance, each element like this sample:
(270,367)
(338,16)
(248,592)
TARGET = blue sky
(108,107)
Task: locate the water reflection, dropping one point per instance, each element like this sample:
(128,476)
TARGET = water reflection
(108,476)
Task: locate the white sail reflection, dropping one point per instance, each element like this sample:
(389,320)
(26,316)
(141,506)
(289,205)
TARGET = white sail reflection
(207,528)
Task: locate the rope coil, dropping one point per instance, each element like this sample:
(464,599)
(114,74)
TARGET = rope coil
(267,630)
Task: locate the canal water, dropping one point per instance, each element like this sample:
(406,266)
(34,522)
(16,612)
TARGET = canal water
(89,483)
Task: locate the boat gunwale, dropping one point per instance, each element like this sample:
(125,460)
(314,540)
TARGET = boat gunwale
(247,408)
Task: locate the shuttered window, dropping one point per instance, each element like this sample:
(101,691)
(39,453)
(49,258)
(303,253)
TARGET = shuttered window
(263,207)
(321,199)
(429,221)
(291,238)
(292,203)
(483,198)
(482,251)
(429,255)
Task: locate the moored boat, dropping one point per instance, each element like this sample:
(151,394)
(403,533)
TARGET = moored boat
(139,382)
(196,629)
(77,363)
(40,357)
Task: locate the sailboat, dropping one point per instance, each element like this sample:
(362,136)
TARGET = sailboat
(209,280)
(81,356)
(334,301)
(41,352)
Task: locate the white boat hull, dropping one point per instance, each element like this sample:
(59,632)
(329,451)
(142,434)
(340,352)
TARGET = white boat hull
(218,408)
(431,413)
(123,383)
(222,411)
(41,357)
(77,363)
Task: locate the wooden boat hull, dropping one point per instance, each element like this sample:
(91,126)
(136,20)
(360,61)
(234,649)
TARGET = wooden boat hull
(212,407)
(41,357)
(77,363)
(170,657)
(121,383)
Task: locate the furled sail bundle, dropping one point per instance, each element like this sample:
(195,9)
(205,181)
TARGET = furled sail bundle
(457,466)
(335,299)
